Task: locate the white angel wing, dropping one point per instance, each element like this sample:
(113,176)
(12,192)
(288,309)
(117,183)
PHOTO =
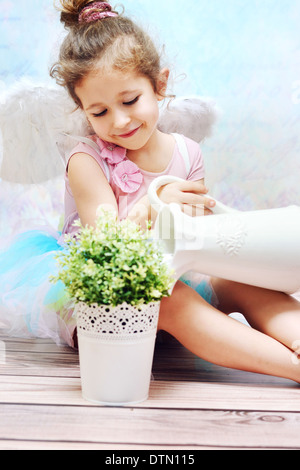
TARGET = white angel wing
(33,120)
(192,116)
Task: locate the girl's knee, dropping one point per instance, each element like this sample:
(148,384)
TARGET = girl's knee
(179,305)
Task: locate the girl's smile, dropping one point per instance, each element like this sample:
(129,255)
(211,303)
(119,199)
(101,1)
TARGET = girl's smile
(130,133)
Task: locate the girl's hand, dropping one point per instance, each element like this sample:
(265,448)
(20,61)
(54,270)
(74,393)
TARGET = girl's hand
(190,195)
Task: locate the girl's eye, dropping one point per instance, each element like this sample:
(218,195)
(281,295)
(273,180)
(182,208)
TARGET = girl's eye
(129,103)
(100,114)
(126,103)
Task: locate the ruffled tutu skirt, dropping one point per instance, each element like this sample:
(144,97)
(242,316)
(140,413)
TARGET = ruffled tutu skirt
(33,306)
(201,283)
(30,304)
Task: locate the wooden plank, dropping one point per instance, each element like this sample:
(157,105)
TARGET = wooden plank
(37,357)
(37,445)
(31,344)
(33,366)
(134,427)
(171,362)
(214,396)
(192,405)
(163,394)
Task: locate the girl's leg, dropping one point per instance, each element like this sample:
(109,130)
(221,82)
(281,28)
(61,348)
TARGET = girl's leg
(217,338)
(273,313)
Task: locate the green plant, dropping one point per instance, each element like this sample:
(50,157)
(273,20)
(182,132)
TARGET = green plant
(112,263)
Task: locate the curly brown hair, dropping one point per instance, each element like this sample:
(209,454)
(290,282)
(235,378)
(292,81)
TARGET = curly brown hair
(114,43)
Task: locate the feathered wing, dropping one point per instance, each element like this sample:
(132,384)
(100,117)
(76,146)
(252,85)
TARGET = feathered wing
(192,116)
(34,121)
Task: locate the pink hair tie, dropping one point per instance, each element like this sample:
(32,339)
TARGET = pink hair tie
(96,11)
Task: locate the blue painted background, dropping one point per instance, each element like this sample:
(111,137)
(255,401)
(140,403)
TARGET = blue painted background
(243,53)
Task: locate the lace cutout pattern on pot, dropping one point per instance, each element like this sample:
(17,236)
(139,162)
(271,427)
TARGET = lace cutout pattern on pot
(121,322)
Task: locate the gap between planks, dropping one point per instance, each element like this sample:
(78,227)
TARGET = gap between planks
(163,394)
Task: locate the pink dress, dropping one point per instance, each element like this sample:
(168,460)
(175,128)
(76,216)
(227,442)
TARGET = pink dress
(127,181)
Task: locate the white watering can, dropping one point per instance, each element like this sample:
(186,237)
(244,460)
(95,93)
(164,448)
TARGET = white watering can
(259,248)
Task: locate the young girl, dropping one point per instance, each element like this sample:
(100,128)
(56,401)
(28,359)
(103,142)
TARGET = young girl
(112,71)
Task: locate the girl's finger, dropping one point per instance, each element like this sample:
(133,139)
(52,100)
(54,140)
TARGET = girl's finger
(192,187)
(196,199)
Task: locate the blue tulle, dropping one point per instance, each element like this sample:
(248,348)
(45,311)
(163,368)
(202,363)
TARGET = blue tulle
(31,305)
(202,285)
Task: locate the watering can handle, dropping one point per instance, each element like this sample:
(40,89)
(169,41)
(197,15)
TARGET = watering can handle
(158,203)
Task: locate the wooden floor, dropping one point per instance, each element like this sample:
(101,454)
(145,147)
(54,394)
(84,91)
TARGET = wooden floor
(193,405)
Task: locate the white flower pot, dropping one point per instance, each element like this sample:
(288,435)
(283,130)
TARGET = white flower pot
(116,347)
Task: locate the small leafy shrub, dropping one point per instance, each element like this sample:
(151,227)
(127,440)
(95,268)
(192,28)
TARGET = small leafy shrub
(112,263)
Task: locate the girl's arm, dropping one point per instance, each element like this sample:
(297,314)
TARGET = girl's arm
(90,187)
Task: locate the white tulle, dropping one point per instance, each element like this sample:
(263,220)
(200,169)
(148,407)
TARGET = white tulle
(33,121)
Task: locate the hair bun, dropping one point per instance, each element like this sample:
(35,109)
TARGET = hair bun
(96,11)
(70,11)
(74,12)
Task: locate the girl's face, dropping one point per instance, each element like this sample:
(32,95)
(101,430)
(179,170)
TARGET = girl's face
(122,108)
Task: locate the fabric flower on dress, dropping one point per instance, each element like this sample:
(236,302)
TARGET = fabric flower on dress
(127,176)
(111,152)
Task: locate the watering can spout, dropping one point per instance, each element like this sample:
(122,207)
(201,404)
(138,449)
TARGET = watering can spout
(260,248)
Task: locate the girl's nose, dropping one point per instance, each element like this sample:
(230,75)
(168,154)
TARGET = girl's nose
(121,119)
